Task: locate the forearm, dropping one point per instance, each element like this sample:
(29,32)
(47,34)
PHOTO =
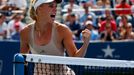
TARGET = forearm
(24,51)
(82,51)
(86,37)
(24,48)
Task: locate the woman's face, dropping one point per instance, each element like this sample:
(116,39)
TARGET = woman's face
(48,10)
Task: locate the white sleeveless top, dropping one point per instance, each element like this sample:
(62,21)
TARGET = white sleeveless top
(52,48)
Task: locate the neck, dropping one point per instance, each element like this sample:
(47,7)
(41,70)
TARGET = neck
(42,26)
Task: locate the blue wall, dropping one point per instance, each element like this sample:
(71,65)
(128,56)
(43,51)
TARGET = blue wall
(105,50)
(7,51)
(110,50)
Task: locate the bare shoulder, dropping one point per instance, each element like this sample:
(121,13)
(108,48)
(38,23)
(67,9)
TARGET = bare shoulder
(61,27)
(25,31)
(63,30)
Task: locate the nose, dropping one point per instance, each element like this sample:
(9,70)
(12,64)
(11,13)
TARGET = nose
(53,6)
(54,9)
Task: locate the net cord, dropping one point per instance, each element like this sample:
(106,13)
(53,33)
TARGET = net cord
(35,58)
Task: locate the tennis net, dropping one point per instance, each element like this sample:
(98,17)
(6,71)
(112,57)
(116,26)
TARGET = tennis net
(59,65)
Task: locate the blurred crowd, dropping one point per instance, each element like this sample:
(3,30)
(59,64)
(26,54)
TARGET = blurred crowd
(107,20)
(12,15)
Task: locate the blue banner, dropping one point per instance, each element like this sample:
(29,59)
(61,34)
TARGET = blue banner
(110,50)
(7,51)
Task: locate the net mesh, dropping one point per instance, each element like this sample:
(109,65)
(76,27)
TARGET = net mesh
(58,65)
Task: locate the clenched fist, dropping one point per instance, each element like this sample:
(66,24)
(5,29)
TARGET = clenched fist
(86,35)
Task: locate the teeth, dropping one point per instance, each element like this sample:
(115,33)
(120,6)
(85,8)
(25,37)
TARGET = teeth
(52,16)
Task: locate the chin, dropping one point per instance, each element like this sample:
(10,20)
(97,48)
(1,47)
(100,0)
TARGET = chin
(53,19)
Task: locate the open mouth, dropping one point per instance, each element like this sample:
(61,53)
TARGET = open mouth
(52,16)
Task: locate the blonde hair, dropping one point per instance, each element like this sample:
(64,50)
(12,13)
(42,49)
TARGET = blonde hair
(32,10)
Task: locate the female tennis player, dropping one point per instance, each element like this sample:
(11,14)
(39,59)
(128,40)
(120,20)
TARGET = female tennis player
(48,37)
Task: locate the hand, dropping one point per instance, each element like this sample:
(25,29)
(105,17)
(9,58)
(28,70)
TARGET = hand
(86,35)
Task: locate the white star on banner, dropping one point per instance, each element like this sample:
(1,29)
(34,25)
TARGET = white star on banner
(108,51)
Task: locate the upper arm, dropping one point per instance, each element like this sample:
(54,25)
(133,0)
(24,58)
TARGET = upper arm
(68,42)
(24,46)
